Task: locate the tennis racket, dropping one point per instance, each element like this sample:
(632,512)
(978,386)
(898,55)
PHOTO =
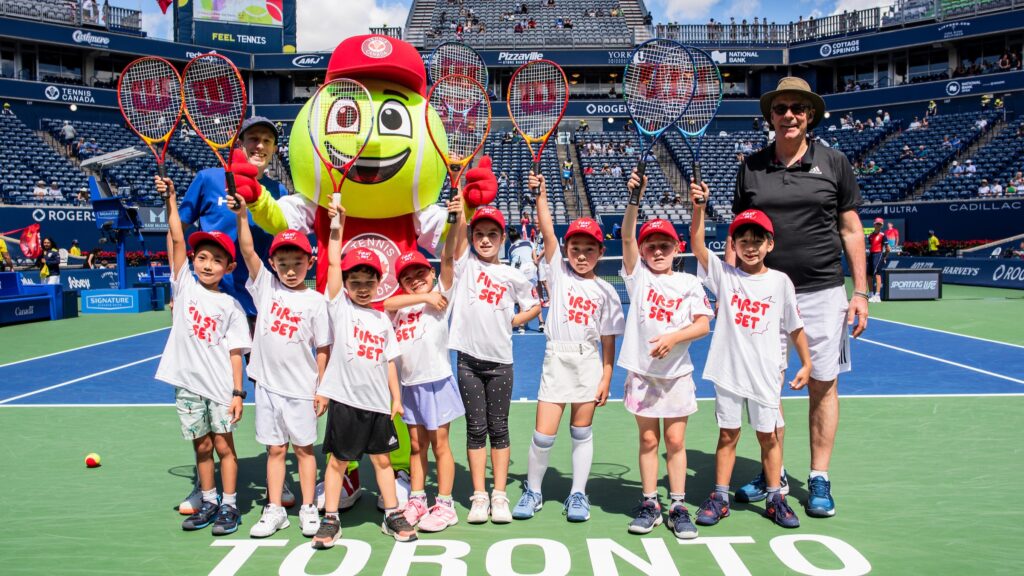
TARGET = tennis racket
(707,97)
(459,127)
(340,123)
(537,96)
(149,95)
(657,85)
(456,58)
(214,96)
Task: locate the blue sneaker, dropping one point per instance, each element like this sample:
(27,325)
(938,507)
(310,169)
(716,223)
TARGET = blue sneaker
(647,516)
(227,521)
(679,521)
(757,490)
(529,503)
(202,517)
(713,509)
(820,503)
(577,507)
(780,512)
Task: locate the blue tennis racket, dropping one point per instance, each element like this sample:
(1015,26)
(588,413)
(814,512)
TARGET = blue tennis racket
(657,85)
(707,98)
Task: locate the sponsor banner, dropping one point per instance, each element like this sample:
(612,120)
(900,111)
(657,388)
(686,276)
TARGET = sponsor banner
(79,223)
(933,33)
(263,12)
(57,93)
(939,90)
(952,220)
(993,272)
(127,301)
(24,311)
(306,60)
(516,58)
(915,284)
(111,42)
(238,36)
(726,57)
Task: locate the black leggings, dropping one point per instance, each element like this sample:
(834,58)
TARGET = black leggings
(486,389)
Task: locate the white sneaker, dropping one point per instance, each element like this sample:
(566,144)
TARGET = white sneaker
(287,498)
(350,492)
(309,519)
(274,518)
(500,511)
(190,505)
(875,298)
(479,509)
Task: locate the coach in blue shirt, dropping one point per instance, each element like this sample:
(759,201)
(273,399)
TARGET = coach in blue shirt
(205,202)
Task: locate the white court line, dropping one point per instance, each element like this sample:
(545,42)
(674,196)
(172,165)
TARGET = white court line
(617,400)
(947,332)
(82,347)
(944,361)
(69,382)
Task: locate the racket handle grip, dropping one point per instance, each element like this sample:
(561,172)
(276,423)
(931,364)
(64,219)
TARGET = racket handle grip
(229,181)
(452,216)
(536,166)
(161,170)
(697,178)
(336,221)
(634,196)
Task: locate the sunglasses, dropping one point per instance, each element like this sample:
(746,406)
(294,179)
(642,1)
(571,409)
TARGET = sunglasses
(797,108)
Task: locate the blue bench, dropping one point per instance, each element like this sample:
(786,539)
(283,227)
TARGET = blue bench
(20,303)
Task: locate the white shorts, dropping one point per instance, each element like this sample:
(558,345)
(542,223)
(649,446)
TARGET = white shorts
(660,397)
(572,372)
(729,412)
(824,316)
(282,420)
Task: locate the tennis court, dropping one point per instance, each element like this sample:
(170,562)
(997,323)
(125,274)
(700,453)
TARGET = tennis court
(924,471)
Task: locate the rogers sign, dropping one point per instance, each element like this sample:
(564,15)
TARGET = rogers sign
(608,109)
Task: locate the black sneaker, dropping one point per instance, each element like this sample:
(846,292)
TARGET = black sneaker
(679,521)
(328,533)
(396,525)
(227,521)
(202,517)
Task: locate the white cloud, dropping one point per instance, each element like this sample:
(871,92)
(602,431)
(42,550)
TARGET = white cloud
(323,24)
(744,9)
(157,24)
(688,11)
(855,5)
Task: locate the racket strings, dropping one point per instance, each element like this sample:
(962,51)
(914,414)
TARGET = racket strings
(658,84)
(707,95)
(537,97)
(214,98)
(341,121)
(150,97)
(454,58)
(464,112)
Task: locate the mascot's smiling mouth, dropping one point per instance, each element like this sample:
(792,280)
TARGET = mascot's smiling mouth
(370,170)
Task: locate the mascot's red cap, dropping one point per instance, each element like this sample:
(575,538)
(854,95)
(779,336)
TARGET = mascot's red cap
(376,56)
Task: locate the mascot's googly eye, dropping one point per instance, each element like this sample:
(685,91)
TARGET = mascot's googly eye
(343,117)
(394,120)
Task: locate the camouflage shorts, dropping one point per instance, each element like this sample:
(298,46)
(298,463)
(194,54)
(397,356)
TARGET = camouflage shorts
(200,416)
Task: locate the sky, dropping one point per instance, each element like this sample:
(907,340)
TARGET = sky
(321,25)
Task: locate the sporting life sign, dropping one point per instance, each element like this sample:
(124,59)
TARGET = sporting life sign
(914,284)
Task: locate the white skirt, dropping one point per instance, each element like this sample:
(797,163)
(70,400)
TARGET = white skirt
(572,372)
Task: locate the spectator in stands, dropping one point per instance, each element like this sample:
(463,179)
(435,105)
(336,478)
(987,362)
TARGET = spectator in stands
(83,195)
(915,125)
(532,23)
(7,109)
(1004,62)
(566,173)
(924,123)
(1017,180)
(933,243)
(67,133)
(588,170)
(616,171)
(518,28)
(39,192)
(906,153)
(1011,189)
(922,152)
(76,147)
(946,144)
(980,123)
(886,119)
(956,170)
(997,188)
(984,189)
(606,170)
(503,180)
(872,168)
(54,192)
(1015,61)
(933,109)
(75,250)
(567,24)
(970,168)
(956,142)
(89,149)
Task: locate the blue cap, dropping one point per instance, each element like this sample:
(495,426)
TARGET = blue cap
(260,121)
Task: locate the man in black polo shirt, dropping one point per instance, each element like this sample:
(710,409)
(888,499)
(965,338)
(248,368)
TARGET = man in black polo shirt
(810,193)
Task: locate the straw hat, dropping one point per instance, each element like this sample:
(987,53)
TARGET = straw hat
(794,85)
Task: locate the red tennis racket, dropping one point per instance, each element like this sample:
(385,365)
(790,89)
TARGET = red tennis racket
(340,124)
(537,96)
(149,95)
(214,96)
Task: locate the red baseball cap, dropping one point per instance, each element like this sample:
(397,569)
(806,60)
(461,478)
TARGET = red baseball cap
(879,221)
(658,226)
(587,227)
(488,213)
(291,238)
(361,257)
(376,56)
(752,217)
(219,238)
(409,259)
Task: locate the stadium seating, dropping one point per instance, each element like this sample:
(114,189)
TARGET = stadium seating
(28,159)
(719,163)
(998,160)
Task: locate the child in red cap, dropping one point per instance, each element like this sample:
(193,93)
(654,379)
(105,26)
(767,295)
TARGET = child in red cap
(486,293)
(668,310)
(755,305)
(291,343)
(203,361)
(585,316)
(430,395)
(360,385)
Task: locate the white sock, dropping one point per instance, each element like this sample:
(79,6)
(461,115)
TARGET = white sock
(537,465)
(210,496)
(582,457)
(230,499)
(822,473)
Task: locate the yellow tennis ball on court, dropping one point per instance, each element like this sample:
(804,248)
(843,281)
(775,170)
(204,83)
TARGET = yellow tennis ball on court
(92,460)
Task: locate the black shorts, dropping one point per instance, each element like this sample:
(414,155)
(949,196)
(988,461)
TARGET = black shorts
(876,263)
(352,432)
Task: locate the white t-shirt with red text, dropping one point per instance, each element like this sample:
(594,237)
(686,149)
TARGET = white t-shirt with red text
(290,326)
(745,354)
(364,343)
(205,327)
(422,333)
(485,296)
(581,309)
(660,304)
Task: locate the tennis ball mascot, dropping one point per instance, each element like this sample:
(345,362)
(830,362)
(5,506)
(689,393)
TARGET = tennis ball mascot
(390,195)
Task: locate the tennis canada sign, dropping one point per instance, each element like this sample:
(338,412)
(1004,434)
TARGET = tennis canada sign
(604,556)
(66,94)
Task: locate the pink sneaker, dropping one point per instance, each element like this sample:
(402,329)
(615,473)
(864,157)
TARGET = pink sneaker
(414,511)
(439,518)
